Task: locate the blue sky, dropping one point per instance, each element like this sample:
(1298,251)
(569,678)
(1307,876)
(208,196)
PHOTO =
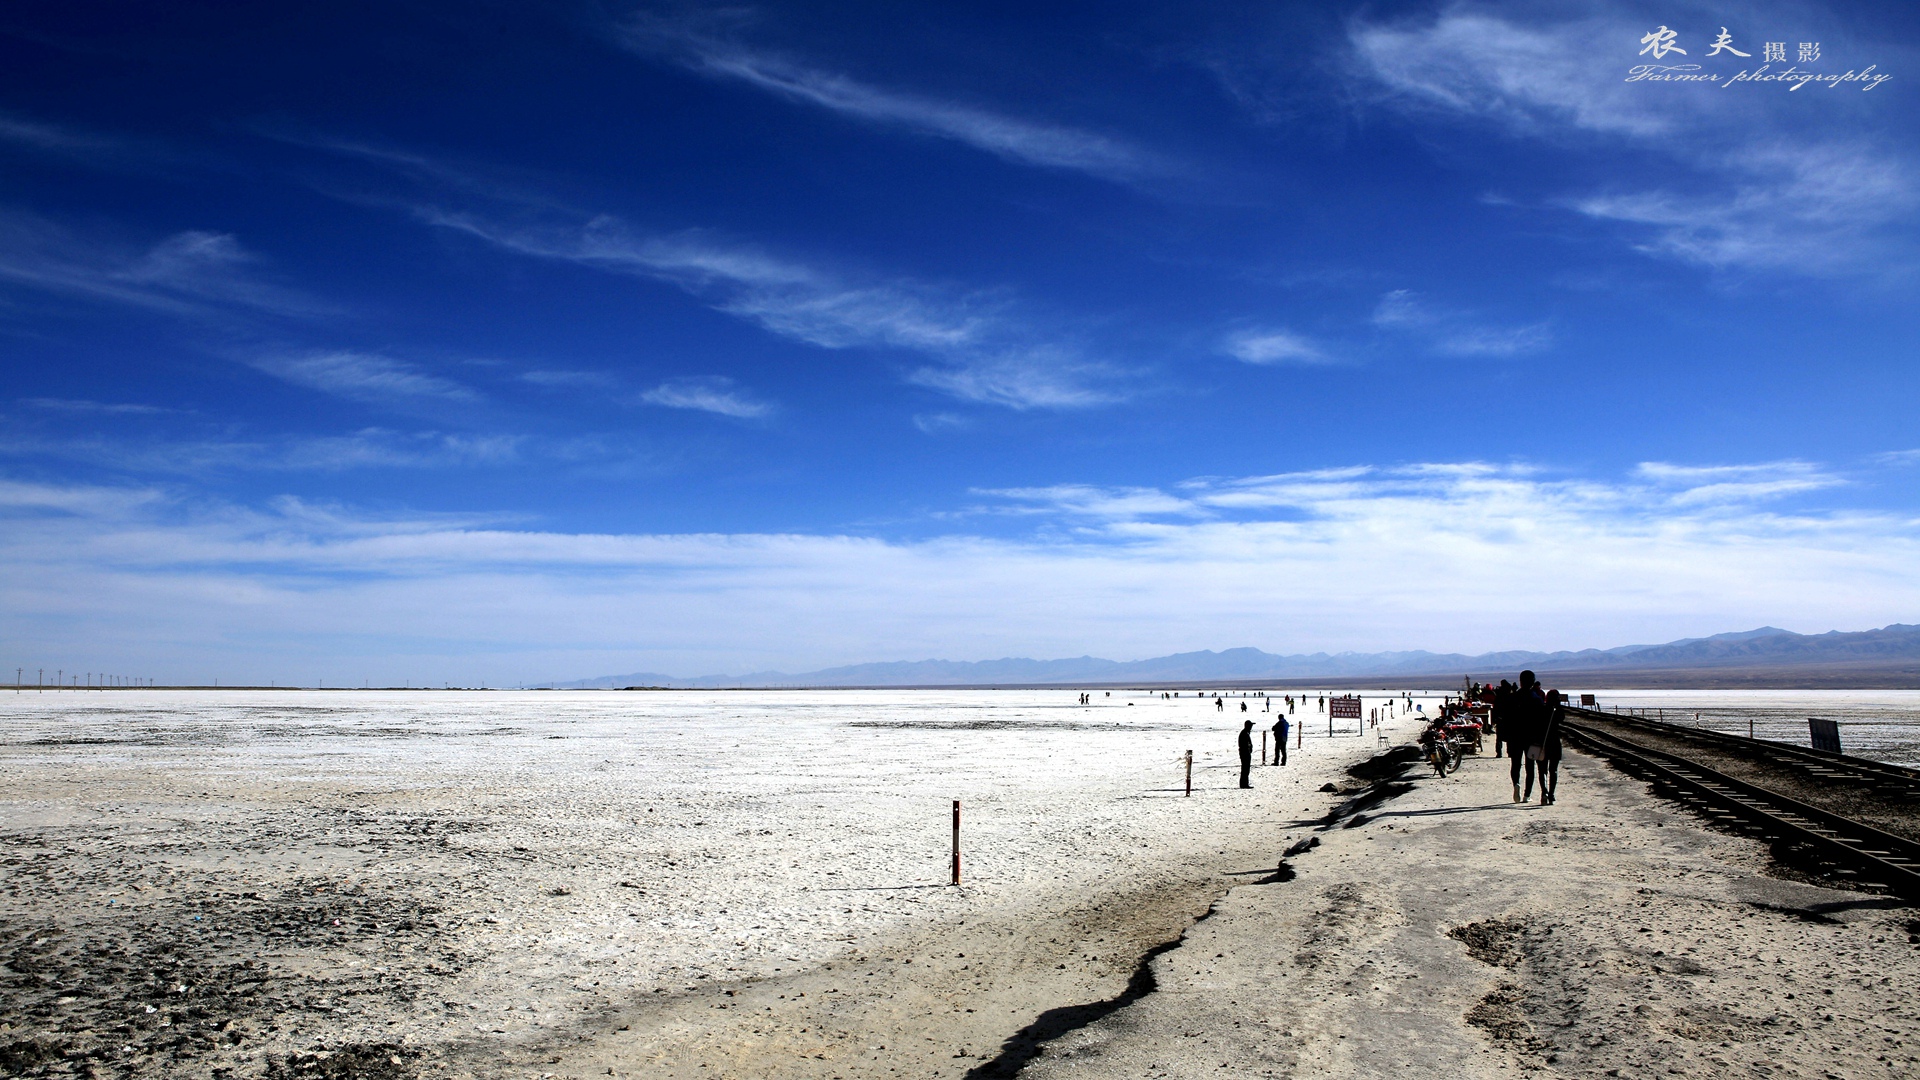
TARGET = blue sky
(506,342)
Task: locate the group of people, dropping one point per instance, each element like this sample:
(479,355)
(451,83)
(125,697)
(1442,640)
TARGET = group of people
(1280,729)
(1526,720)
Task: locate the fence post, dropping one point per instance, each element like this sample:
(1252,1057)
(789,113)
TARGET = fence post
(1189,773)
(956,841)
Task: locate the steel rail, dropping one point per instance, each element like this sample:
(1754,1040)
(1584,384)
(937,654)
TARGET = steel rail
(1879,857)
(1823,763)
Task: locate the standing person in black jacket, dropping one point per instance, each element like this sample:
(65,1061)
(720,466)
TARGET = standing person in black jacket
(1280,727)
(1523,728)
(1246,753)
(1502,704)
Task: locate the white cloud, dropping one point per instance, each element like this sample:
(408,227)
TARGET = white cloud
(1465,556)
(363,377)
(1107,504)
(193,274)
(1273,347)
(980,351)
(1457,333)
(1534,80)
(1764,180)
(37,135)
(368,448)
(935,423)
(1024,141)
(712,393)
(1706,484)
(592,380)
(71,405)
(1022,379)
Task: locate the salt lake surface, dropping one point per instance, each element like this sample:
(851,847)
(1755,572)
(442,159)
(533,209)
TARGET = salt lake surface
(523,855)
(1880,724)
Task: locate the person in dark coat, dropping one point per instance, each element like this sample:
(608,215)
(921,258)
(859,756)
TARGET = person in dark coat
(1523,729)
(1502,701)
(1550,750)
(1280,727)
(1246,753)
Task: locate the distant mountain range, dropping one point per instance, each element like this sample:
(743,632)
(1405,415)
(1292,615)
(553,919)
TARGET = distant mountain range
(1769,656)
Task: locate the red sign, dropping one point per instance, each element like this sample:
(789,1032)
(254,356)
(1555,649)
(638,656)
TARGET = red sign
(1347,708)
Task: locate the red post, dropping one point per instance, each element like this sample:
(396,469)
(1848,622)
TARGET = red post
(956,841)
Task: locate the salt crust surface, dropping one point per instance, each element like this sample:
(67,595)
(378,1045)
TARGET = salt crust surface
(602,844)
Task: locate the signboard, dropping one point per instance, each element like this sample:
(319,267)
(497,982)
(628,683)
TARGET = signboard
(1343,708)
(1824,733)
(1586,701)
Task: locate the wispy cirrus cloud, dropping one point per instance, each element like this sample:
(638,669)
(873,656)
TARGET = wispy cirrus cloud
(1026,142)
(193,274)
(1764,181)
(937,423)
(1105,504)
(82,405)
(39,135)
(562,378)
(200,457)
(978,349)
(707,393)
(1454,332)
(367,377)
(1273,346)
(1706,484)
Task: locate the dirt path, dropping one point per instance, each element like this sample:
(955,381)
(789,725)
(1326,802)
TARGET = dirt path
(1455,933)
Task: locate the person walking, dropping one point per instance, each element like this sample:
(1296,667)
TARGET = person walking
(1524,728)
(1243,706)
(1550,750)
(1280,740)
(1246,753)
(1219,706)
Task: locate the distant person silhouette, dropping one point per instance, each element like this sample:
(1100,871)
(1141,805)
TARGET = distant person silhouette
(1246,752)
(1280,740)
(1243,706)
(1219,706)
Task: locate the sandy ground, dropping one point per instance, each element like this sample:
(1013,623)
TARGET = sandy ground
(1458,934)
(726,886)
(342,884)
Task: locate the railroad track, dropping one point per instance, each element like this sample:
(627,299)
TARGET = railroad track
(1855,852)
(1889,780)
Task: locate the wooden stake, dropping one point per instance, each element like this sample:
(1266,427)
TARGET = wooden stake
(1263,748)
(956,841)
(1189,773)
